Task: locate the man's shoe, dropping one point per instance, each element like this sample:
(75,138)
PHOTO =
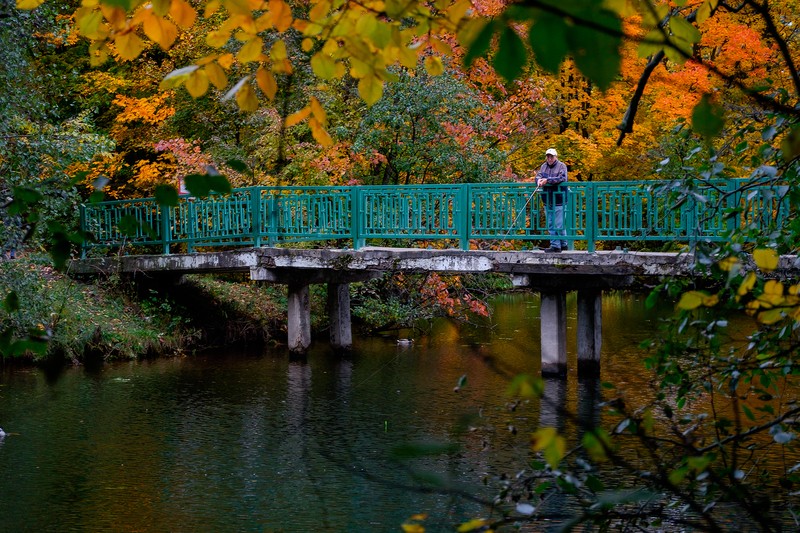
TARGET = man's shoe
(553,250)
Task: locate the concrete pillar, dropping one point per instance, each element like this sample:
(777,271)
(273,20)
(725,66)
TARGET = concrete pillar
(590,322)
(299,318)
(553,311)
(339,315)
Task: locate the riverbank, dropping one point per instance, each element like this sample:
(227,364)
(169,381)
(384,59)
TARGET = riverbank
(109,318)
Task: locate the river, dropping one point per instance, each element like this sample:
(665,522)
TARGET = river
(234,440)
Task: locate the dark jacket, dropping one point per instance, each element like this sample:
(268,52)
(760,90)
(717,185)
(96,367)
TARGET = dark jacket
(553,193)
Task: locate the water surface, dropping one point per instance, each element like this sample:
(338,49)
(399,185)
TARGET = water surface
(243,441)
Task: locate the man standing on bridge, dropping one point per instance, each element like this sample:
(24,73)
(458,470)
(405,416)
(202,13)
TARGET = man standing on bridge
(551,175)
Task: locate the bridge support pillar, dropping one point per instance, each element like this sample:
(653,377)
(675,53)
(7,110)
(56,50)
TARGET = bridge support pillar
(554,333)
(589,331)
(299,318)
(339,315)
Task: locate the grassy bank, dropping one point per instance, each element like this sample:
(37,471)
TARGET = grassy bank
(112,319)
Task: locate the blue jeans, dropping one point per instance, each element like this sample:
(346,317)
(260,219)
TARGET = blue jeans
(555,225)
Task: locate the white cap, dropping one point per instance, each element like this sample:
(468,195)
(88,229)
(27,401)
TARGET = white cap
(551,151)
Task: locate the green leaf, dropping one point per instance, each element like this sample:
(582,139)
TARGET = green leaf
(479,47)
(596,52)
(791,145)
(11,303)
(707,118)
(548,39)
(60,247)
(21,347)
(166,195)
(128,226)
(511,55)
(96,197)
(219,184)
(237,165)
(197,185)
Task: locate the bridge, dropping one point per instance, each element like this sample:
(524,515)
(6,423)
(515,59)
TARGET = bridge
(466,228)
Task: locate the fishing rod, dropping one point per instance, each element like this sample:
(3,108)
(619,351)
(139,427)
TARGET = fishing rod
(523,210)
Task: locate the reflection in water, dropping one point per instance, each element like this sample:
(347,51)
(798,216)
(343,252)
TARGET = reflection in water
(259,442)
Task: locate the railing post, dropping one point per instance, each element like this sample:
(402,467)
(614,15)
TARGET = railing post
(191,224)
(83,230)
(255,214)
(272,223)
(355,217)
(731,203)
(590,231)
(163,212)
(465,213)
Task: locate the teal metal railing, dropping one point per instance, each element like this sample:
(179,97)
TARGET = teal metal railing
(595,212)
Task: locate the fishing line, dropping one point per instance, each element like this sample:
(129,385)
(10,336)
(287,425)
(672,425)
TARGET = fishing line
(523,210)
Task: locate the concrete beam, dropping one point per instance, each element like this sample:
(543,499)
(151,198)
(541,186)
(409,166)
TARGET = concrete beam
(299,318)
(553,311)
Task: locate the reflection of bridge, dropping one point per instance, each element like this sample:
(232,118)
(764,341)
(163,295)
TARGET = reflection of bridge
(257,219)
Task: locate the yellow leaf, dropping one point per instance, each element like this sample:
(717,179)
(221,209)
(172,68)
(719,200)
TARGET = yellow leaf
(29,4)
(246,98)
(441,47)
(770,317)
(318,111)
(407,57)
(116,16)
(182,13)
(216,75)
(747,284)
(307,44)
(225,61)
(98,53)
(281,14)
(434,66)
(88,21)
(766,259)
(161,7)
(728,263)
(251,51)
(160,30)
(298,116)
(211,8)
(320,11)
(472,525)
(691,300)
(413,528)
(237,7)
(177,77)
(371,89)
(278,51)
(206,60)
(323,65)
(319,132)
(129,45)
(218,38)
(711,301)
(197,83)
(266,82)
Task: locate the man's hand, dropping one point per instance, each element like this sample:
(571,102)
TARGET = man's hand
(541,182)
